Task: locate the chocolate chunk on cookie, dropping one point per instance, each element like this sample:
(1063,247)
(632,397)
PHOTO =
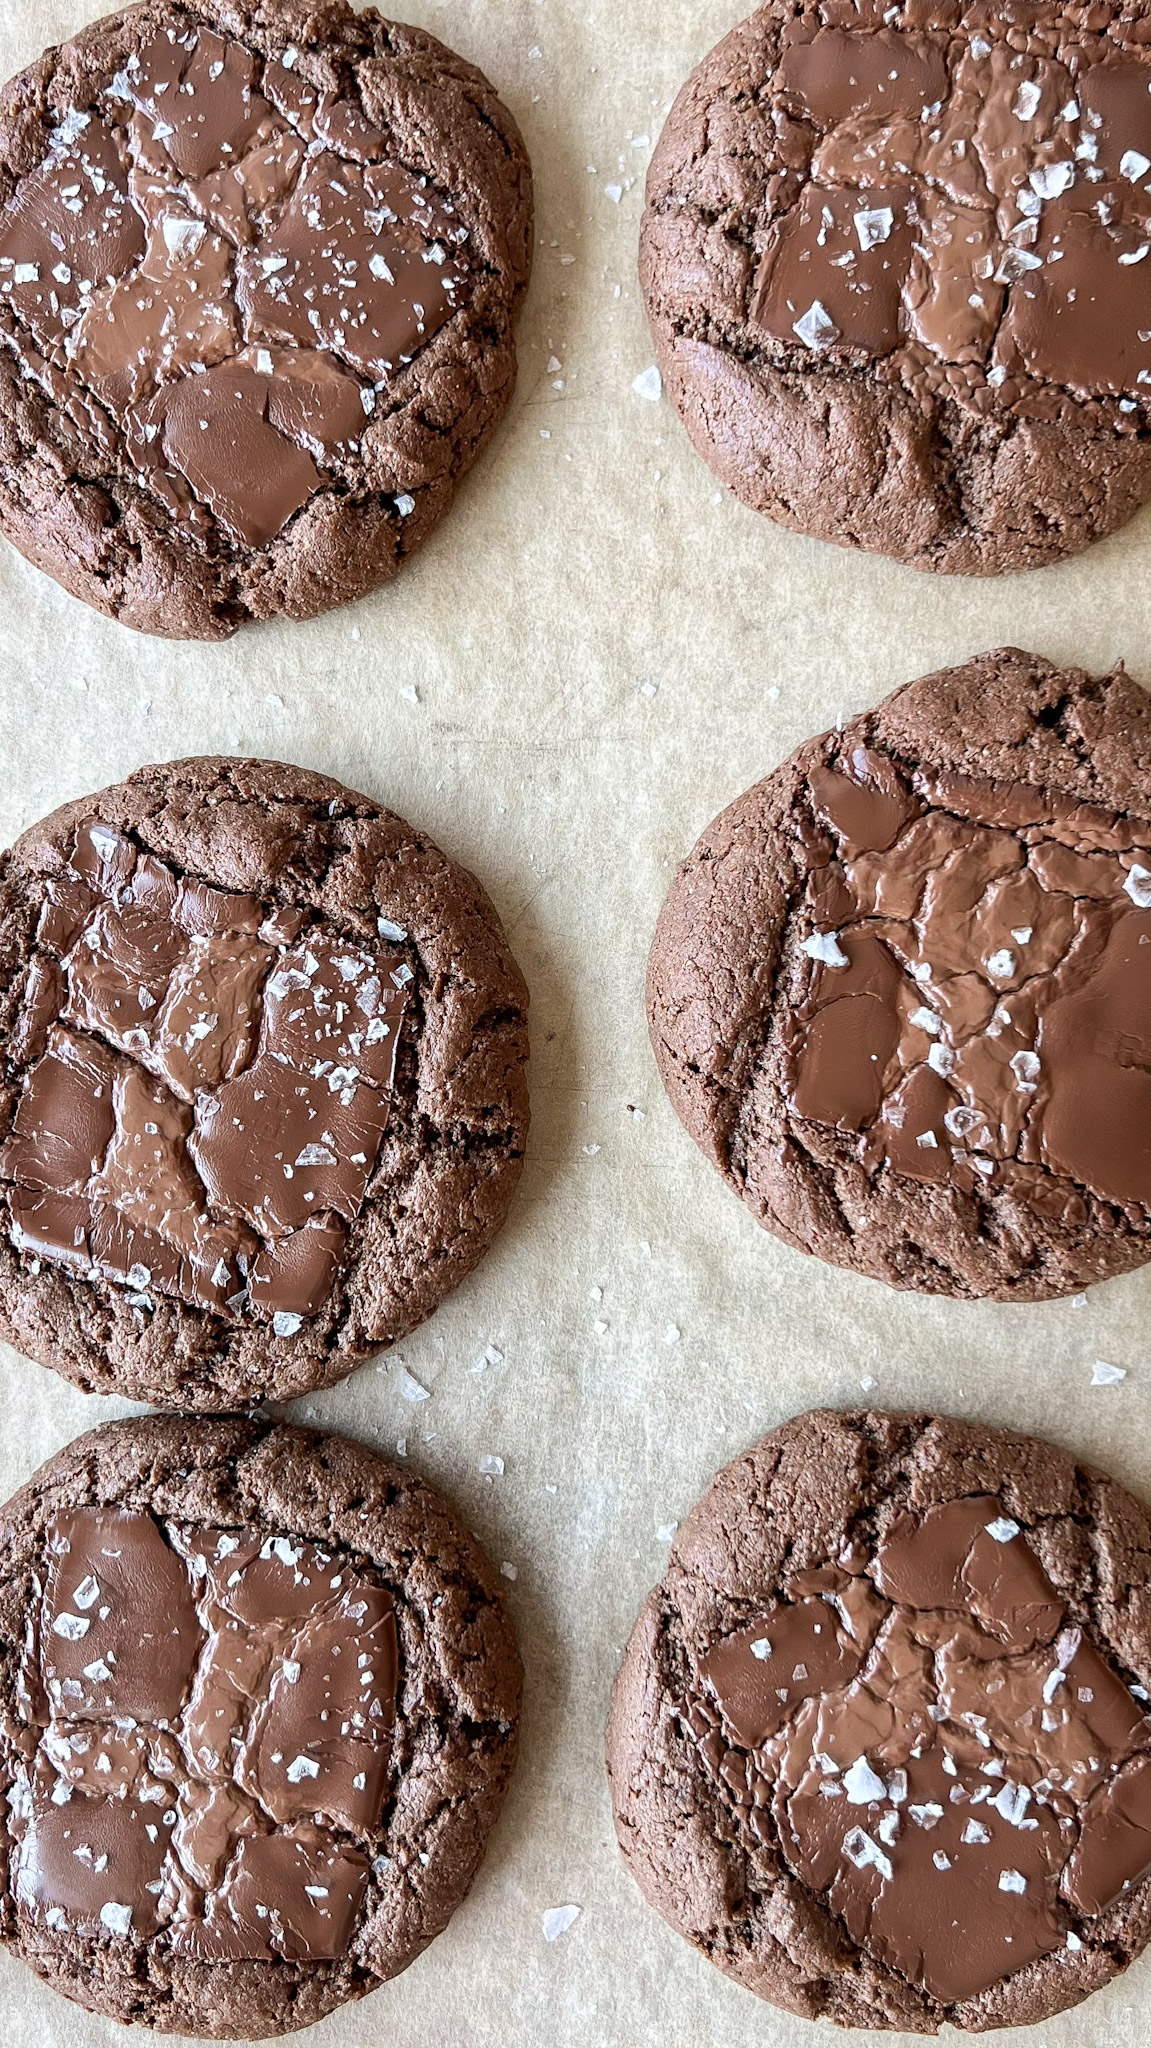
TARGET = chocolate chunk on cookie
(257,1716)
(896,264)
(880,1744)
(899,992)
(263,1093)
(258,267)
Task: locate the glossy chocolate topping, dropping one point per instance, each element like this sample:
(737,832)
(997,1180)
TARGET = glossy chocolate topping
(935,1748)
(976,199)
(232,267)
(205,1085)
(206,1734)
(977,999)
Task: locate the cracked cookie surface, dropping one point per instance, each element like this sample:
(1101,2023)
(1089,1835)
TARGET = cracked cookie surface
(893,1685)
(264,1100)
(896,265)
(258,268)
(189,1843)
(898,992)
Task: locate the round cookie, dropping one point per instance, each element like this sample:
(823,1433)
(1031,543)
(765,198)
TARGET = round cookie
(899,992)
(258,267)
(879,1745)
(258,1706)
(263,1102)
(893,262)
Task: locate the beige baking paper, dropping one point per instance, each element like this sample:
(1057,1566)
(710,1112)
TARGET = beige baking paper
(595,652)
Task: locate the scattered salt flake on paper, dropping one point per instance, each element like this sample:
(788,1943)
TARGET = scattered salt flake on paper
(554,364)
(869,1384)
(614,193)
(491,1467)
(509,1571)
(410,691)
(410,1388)
(671,1334)
(1104,1375)
(665,1531)
(649,383)
(401,1447)
(558,1919)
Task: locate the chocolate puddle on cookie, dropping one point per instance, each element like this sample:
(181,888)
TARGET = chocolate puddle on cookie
(935,1748)
(231,266)
(205,1084)
(202,1741)
(978,211)
(978,986)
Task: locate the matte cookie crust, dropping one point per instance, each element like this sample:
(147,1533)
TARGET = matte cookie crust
(865,453)
(790,1502)
(727,968)
(456,1714)
(453,1148)
(71,499)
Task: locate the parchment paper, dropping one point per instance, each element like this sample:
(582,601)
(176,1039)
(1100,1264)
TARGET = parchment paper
(595,652)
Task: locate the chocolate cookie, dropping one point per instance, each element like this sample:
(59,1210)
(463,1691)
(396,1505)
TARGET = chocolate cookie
(879,1745)
(899,992)
(895,264)
(258,266)
(258,1704)
(263,1096)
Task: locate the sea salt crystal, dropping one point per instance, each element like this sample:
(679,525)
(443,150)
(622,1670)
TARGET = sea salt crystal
(410,1388)
(1104,1375)
(816,328)
(1012,1881)
(558,1919)
(1025,1067)
(1052,180)
(1138,886)
(825,947)
(491,1467)
(874,225)
(285,1323)
(859,1849)
(1003,1529)
(862,1784)
(72,1627)
(649,383)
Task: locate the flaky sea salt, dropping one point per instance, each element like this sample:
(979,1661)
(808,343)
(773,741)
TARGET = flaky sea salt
(825,947)
(409,1387)
(816,328)
(558,1919)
